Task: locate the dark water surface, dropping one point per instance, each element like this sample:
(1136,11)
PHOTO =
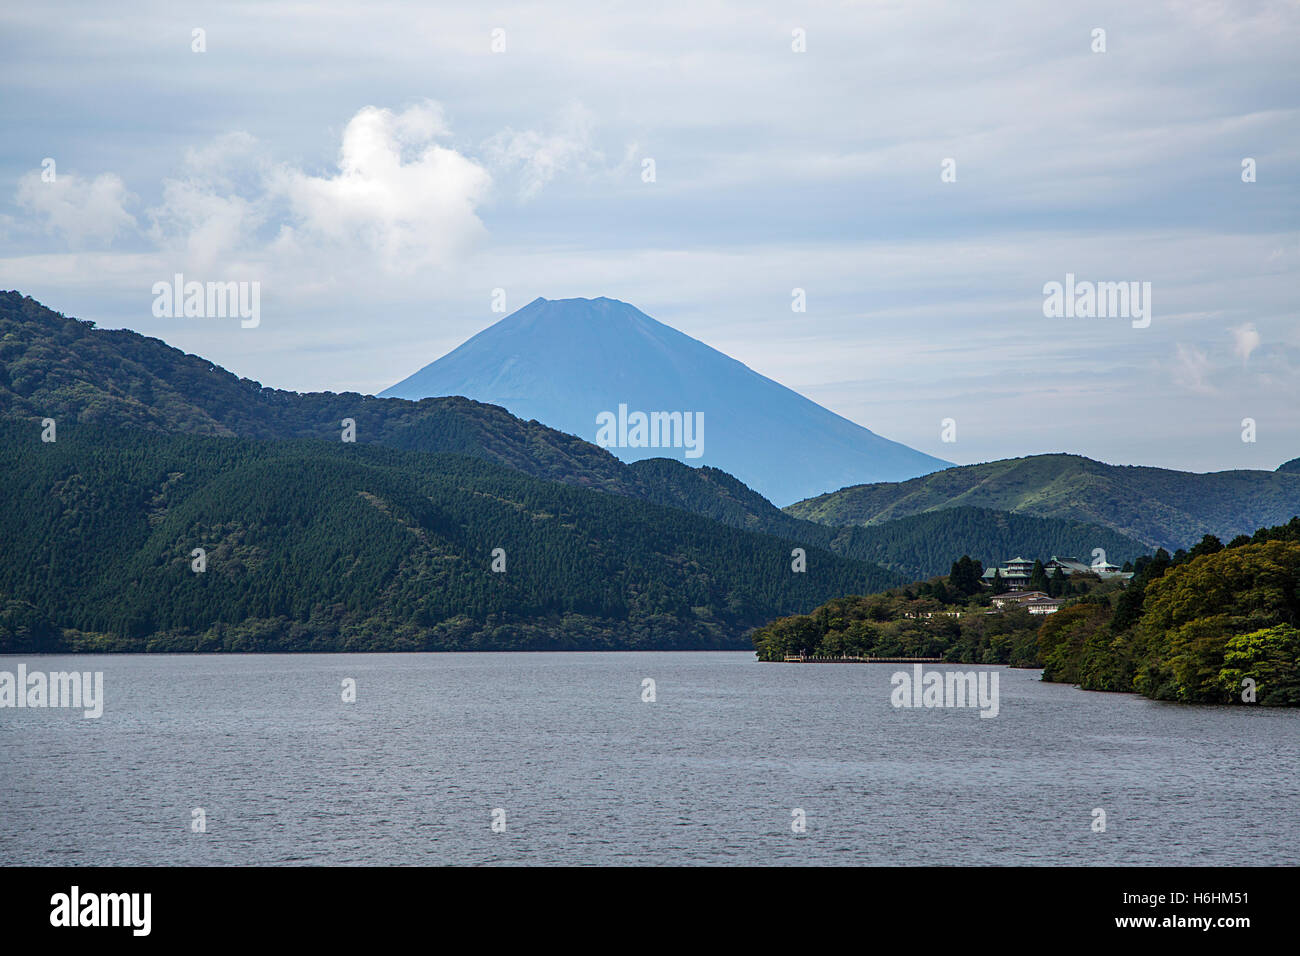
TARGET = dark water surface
(589,773)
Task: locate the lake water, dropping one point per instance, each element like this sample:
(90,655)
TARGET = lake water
(586,772)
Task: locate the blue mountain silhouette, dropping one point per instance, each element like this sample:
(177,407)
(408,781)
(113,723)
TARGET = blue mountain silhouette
(564,362)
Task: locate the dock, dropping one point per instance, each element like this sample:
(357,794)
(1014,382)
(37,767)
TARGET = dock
(813,659)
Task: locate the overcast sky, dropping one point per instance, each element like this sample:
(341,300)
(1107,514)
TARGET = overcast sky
(380,170)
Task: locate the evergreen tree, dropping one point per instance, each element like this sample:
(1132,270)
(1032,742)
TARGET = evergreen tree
(1057,584)
(965,576)
(1038,577)
(1207,545)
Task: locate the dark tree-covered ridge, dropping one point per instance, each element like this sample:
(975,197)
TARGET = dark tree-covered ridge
(315,545)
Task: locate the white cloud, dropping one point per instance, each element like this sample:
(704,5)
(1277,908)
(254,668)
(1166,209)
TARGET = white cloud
(540,157)
(1245,339)
(817,170)
(1190,369)
(203,216)
(397,192)
(82,211)
(398,201)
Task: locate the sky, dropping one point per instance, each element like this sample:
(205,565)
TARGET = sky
(919,170)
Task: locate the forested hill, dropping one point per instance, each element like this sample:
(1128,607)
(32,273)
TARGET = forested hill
(1156,506)
(923,545)
(314,545)
(1213,624)
(64,368)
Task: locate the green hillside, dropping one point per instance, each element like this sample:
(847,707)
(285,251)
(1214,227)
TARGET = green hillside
(925,545)
(331,546)
(1214,624)
(1191,629)
(1155,506)
(917,546)
(64,368)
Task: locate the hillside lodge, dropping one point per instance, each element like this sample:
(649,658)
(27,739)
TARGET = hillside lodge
(1035,602)
(1016,572)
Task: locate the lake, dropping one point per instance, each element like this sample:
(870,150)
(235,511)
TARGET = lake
(587,772)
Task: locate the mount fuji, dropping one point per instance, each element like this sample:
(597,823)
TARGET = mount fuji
(607,372)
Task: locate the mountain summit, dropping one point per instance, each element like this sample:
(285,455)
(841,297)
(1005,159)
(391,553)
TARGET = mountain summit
(607,372)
